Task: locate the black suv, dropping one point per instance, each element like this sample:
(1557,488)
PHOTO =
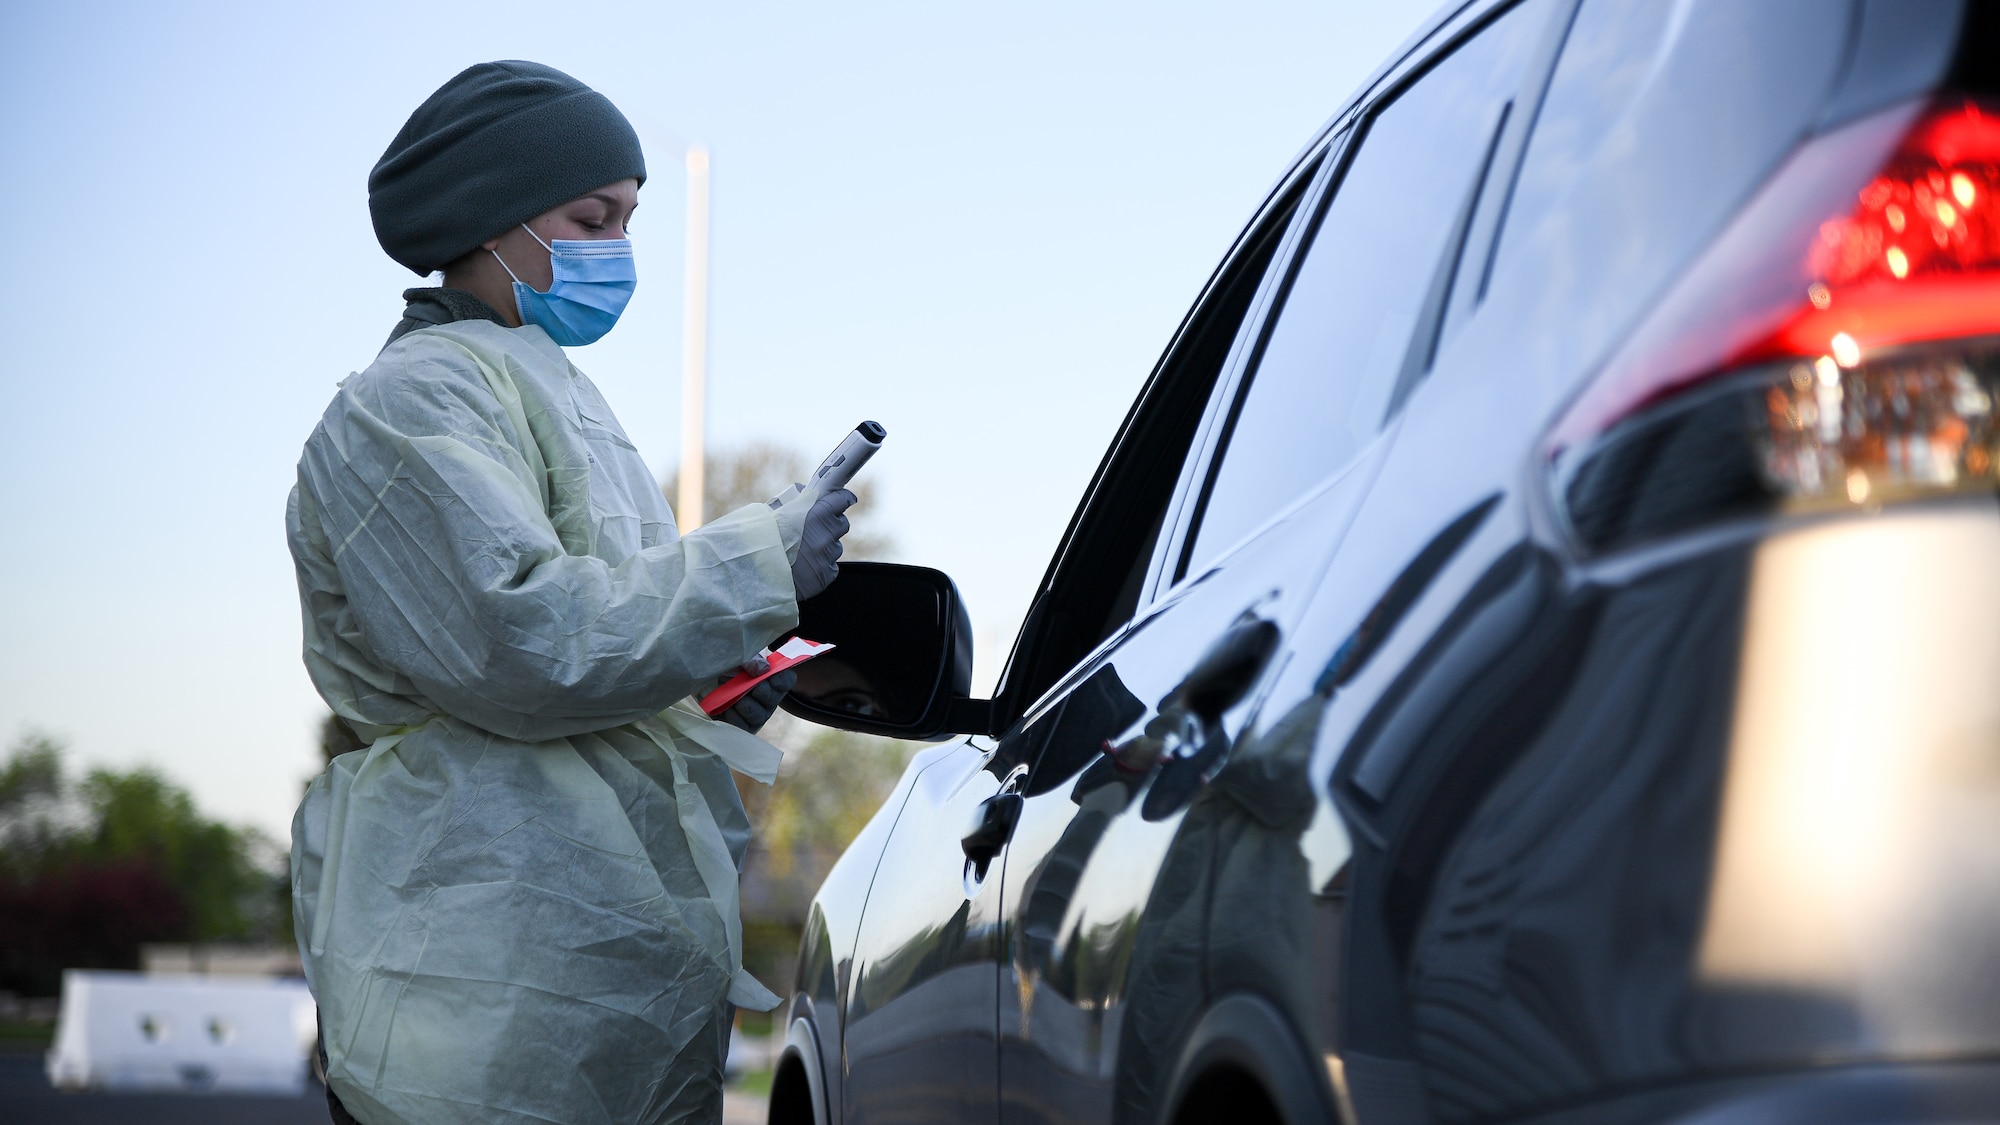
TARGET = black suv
(1532,652)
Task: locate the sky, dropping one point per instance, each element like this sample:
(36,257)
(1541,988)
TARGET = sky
(978,225)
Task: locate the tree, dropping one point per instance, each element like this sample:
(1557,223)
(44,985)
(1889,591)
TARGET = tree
(91,869)
(36,812)
(829,785)
(217,872)
(754,473)
(337,738)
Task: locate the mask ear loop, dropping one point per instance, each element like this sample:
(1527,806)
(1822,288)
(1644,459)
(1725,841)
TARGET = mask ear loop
(509,269)
(505,266)
(537,238)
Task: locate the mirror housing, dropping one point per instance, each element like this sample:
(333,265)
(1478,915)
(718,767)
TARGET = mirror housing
(902,661)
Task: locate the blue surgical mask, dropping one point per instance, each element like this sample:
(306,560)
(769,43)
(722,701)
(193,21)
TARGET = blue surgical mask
(594,278)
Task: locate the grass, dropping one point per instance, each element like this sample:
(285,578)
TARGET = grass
(756,1082)
(19,1034)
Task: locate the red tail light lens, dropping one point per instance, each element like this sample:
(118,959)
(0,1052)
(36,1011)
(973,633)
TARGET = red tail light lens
(1918,257)
(1838,345)
(1929,213)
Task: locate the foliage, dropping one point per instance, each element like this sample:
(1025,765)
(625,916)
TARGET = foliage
(35,811)
(754,473)
(830,784)
(825,793)
(337,738)
(92,868)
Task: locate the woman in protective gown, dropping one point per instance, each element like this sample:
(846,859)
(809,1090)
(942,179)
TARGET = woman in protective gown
(519,901)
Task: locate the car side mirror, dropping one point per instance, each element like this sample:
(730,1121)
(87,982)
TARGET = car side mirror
(902,661)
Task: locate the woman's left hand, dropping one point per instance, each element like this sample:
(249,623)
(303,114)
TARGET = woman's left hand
(761,702)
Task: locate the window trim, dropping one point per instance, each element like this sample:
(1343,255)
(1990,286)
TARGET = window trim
(1304,176)
(1184,511)
(1442,33)
(1227,402)
(1489,221)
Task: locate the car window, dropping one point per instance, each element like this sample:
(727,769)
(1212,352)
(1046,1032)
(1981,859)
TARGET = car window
(1094,585)
(1322,385)
(1608,57)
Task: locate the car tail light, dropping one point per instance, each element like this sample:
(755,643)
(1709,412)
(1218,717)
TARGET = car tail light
(1838,345)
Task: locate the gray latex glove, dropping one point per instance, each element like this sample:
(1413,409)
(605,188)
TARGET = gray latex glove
(819,547)
(751,712)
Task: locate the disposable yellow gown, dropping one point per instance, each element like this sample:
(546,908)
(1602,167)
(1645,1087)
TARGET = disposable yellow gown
(519,903)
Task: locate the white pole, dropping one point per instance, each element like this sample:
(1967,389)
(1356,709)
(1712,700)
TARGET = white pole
(694,345)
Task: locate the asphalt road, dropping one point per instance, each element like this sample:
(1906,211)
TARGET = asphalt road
(26,1098)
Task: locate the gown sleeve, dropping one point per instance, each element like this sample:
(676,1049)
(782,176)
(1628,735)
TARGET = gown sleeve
(434,499)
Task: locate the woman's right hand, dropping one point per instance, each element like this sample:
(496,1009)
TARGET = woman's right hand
(818,561)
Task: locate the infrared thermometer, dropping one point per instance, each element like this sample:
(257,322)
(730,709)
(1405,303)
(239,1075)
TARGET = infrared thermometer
(840,466)
(847,458)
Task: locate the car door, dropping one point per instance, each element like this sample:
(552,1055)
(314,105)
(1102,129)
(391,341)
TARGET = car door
(917,1039)
(919,1018)
(1088,1013)
(1106,889)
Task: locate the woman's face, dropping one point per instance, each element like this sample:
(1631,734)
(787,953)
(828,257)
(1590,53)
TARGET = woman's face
(603,213)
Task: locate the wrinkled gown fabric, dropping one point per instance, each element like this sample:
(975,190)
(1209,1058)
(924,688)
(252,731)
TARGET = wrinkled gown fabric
(519,902)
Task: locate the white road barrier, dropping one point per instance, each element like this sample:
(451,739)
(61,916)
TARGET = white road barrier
(131,1031)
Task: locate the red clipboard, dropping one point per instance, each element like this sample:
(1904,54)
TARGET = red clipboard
(791,654)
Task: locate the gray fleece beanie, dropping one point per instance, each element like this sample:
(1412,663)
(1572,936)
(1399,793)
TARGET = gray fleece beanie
(495,146)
